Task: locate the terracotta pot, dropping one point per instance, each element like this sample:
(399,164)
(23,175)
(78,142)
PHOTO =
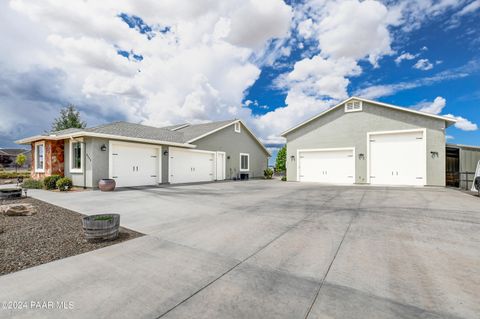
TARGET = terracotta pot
(106,185)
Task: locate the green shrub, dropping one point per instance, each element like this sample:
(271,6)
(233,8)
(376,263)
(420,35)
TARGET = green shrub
(64,184)
(284,178)
(32,183)
(50,182)
(268,173)
(12,175)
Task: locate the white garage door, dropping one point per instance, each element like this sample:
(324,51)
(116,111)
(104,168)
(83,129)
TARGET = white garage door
(134,164)
(188,166)
(398,158)
(336,166)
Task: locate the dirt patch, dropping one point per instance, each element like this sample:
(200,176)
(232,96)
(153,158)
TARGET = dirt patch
(52,233)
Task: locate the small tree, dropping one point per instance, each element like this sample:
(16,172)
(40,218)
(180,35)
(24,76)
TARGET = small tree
(69,118)
(20,160)
(280,163)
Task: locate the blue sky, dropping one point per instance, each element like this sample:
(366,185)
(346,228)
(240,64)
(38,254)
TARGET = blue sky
(271,63)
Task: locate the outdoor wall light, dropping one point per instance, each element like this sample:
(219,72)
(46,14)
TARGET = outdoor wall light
(228,157)
(103,148)
(434,154)
(292,158)
(361,156)
(165,153)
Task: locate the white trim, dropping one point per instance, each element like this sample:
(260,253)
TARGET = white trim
(227,125)
(82,149)
(445,118)
(423,130)
(327,150)
(159,156)
(39,170)
(179,127)
(248,162)
(224,165)
(106,136)
(237,127)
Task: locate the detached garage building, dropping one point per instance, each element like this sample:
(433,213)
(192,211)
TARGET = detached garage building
(139,155)
(367,142)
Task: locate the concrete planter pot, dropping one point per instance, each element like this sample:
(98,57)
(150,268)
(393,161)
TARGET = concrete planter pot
(101,227)
(106,185)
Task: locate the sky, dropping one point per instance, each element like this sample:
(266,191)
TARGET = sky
(271,63)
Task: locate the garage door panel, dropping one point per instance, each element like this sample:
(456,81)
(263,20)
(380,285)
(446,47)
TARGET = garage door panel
(187,166)
(327,166)
(134,165)
(397,158)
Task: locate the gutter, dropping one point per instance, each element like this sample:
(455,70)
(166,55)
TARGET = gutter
(35,138)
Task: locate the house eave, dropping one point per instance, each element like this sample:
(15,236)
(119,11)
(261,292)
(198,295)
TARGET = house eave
(29,140)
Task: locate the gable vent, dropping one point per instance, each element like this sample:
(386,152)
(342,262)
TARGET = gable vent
(353,106)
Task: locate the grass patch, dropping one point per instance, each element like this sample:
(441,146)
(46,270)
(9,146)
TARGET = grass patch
(109,218)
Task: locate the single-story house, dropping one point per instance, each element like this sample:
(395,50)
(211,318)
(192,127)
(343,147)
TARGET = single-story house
(360,141)
(137,155)
(8,157)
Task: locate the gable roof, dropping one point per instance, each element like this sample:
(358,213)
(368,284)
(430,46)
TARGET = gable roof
(124,130)
(13,151)
(176,135)
(449,121)
(194,132)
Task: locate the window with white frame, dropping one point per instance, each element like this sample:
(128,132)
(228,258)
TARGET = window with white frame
(244,162)
(237,127)
(40,157)
(76,157)
(353,106)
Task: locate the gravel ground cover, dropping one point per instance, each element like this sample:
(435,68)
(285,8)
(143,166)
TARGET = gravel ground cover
(50,234)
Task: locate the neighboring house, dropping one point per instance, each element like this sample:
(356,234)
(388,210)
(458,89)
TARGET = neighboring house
(8,157)
(137,155)
(368,142)
(462,162)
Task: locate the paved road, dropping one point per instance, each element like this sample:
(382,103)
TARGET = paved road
(268,249)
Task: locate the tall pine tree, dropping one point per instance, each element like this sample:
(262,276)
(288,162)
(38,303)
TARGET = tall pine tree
(69,118)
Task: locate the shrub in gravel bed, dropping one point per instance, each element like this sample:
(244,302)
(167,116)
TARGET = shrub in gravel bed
(13,175)
(50,182)
(32,183)
(64,184)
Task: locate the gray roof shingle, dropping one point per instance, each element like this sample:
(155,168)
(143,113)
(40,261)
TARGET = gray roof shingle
(195,130)
(138,131)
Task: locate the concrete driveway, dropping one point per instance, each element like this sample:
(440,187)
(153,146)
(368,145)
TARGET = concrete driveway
(267,249)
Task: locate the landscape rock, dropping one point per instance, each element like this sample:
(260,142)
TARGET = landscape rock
(18,210)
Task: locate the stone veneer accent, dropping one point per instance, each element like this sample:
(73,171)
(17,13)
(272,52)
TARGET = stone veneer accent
(54,159)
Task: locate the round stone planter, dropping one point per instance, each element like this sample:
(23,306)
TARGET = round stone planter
(106,185)
(6,193)
(101,227)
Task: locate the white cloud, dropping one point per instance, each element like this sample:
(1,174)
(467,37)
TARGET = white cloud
(449,137)
(437,106)
(423,64)
(376,91)
(469,8)
(463,124)
(405,56)
(434,107)
(197,71)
